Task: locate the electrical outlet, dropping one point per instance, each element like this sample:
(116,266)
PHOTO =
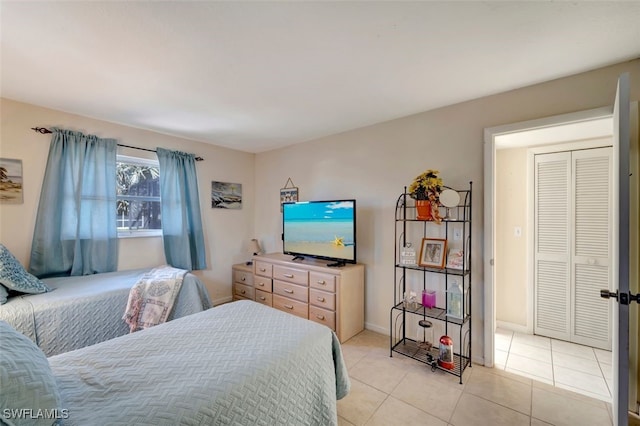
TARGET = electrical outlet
(457,234)
(517,231)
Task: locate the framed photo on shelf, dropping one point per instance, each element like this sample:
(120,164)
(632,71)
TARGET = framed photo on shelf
(458,257)
(433,252)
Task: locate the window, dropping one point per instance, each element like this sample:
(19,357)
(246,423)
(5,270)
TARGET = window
(138,197)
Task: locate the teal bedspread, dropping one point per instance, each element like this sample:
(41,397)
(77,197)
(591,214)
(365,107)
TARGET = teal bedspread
(84,310)
(237,364)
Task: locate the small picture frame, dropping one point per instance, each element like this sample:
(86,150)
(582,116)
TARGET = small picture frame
(10,181)
(226,195)
(433,253)
(288,194)
(455,259)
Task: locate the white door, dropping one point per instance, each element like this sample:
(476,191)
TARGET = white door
(620,282)
(573,245)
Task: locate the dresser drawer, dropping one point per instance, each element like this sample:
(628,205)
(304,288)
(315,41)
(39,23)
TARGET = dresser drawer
(263,269)
(292,275)
(264,298)
(322,299)
(291,306)
(291,290)
(243,290)
(243,277)
(326,282)
(262,283)
(323,316)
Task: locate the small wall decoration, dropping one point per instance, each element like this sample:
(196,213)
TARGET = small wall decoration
(226,195)
(10,181)
(433,252)
(289,193)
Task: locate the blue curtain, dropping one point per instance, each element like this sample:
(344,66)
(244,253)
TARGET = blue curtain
(75,232)
(182,232)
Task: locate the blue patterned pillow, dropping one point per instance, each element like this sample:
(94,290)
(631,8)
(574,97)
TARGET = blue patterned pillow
(29,387)
(14,277)
(3,295)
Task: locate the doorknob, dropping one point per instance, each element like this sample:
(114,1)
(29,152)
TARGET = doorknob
(624,297)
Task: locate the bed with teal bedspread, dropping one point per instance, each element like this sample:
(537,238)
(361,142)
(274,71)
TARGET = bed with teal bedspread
(236,364)
(84,310)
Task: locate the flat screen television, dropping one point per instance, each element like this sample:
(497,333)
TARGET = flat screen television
(320,229)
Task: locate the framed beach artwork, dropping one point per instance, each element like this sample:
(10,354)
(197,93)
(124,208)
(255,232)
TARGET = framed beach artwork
(10,181)
(433,252)
(226,195)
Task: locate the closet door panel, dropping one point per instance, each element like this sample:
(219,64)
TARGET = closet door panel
(591,323)
(552,245)
(591,319)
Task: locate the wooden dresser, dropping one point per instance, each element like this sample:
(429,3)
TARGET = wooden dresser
(309,289)
(242,281)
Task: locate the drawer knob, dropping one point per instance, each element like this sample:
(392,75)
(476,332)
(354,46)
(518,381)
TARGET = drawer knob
(320,299)
(244,278)
(288,306)
(287,290)
(322,282)
(288,275)
(263,270)
(261,284)
(263,298)
(320,317)
(243,292)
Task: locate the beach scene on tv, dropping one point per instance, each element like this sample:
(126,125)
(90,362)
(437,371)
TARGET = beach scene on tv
(320,229)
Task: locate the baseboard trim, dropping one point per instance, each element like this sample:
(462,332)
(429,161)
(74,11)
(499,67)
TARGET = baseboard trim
(518,328)
(376,328)
(222,300)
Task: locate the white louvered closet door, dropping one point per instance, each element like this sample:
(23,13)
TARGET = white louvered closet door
(573,246)
(591,254)
(552,245)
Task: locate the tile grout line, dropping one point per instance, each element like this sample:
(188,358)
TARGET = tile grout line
(606,383)
(553,370)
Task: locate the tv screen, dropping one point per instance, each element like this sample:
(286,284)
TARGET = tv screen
(320,229)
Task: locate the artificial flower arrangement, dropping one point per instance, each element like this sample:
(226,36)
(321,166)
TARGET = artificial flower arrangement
(427,187)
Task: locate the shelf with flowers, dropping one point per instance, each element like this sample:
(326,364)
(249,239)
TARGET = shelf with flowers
(425,189)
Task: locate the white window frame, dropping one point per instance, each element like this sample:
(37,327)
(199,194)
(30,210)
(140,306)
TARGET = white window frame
(138,233)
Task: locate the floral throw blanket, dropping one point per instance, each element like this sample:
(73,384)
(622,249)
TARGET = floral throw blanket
(152,297)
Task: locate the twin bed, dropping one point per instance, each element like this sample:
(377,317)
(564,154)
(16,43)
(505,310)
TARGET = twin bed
(84,310)
(236,364)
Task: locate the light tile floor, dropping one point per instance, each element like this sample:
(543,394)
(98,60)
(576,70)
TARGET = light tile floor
(562,364)
(397,390)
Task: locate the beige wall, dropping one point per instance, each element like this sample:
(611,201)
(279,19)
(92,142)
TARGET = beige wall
(511,251)
(373,164)
(227,232)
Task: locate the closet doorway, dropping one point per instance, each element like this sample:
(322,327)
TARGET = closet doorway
(519,345)
(572,243)
(623,125)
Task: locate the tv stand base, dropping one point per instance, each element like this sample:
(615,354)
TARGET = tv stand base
(338,264)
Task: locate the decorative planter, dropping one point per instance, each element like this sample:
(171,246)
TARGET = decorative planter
(423,208)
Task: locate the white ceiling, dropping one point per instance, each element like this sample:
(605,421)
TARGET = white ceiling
(256,76)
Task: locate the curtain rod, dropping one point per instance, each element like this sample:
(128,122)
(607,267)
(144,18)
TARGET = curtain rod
(44,131)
